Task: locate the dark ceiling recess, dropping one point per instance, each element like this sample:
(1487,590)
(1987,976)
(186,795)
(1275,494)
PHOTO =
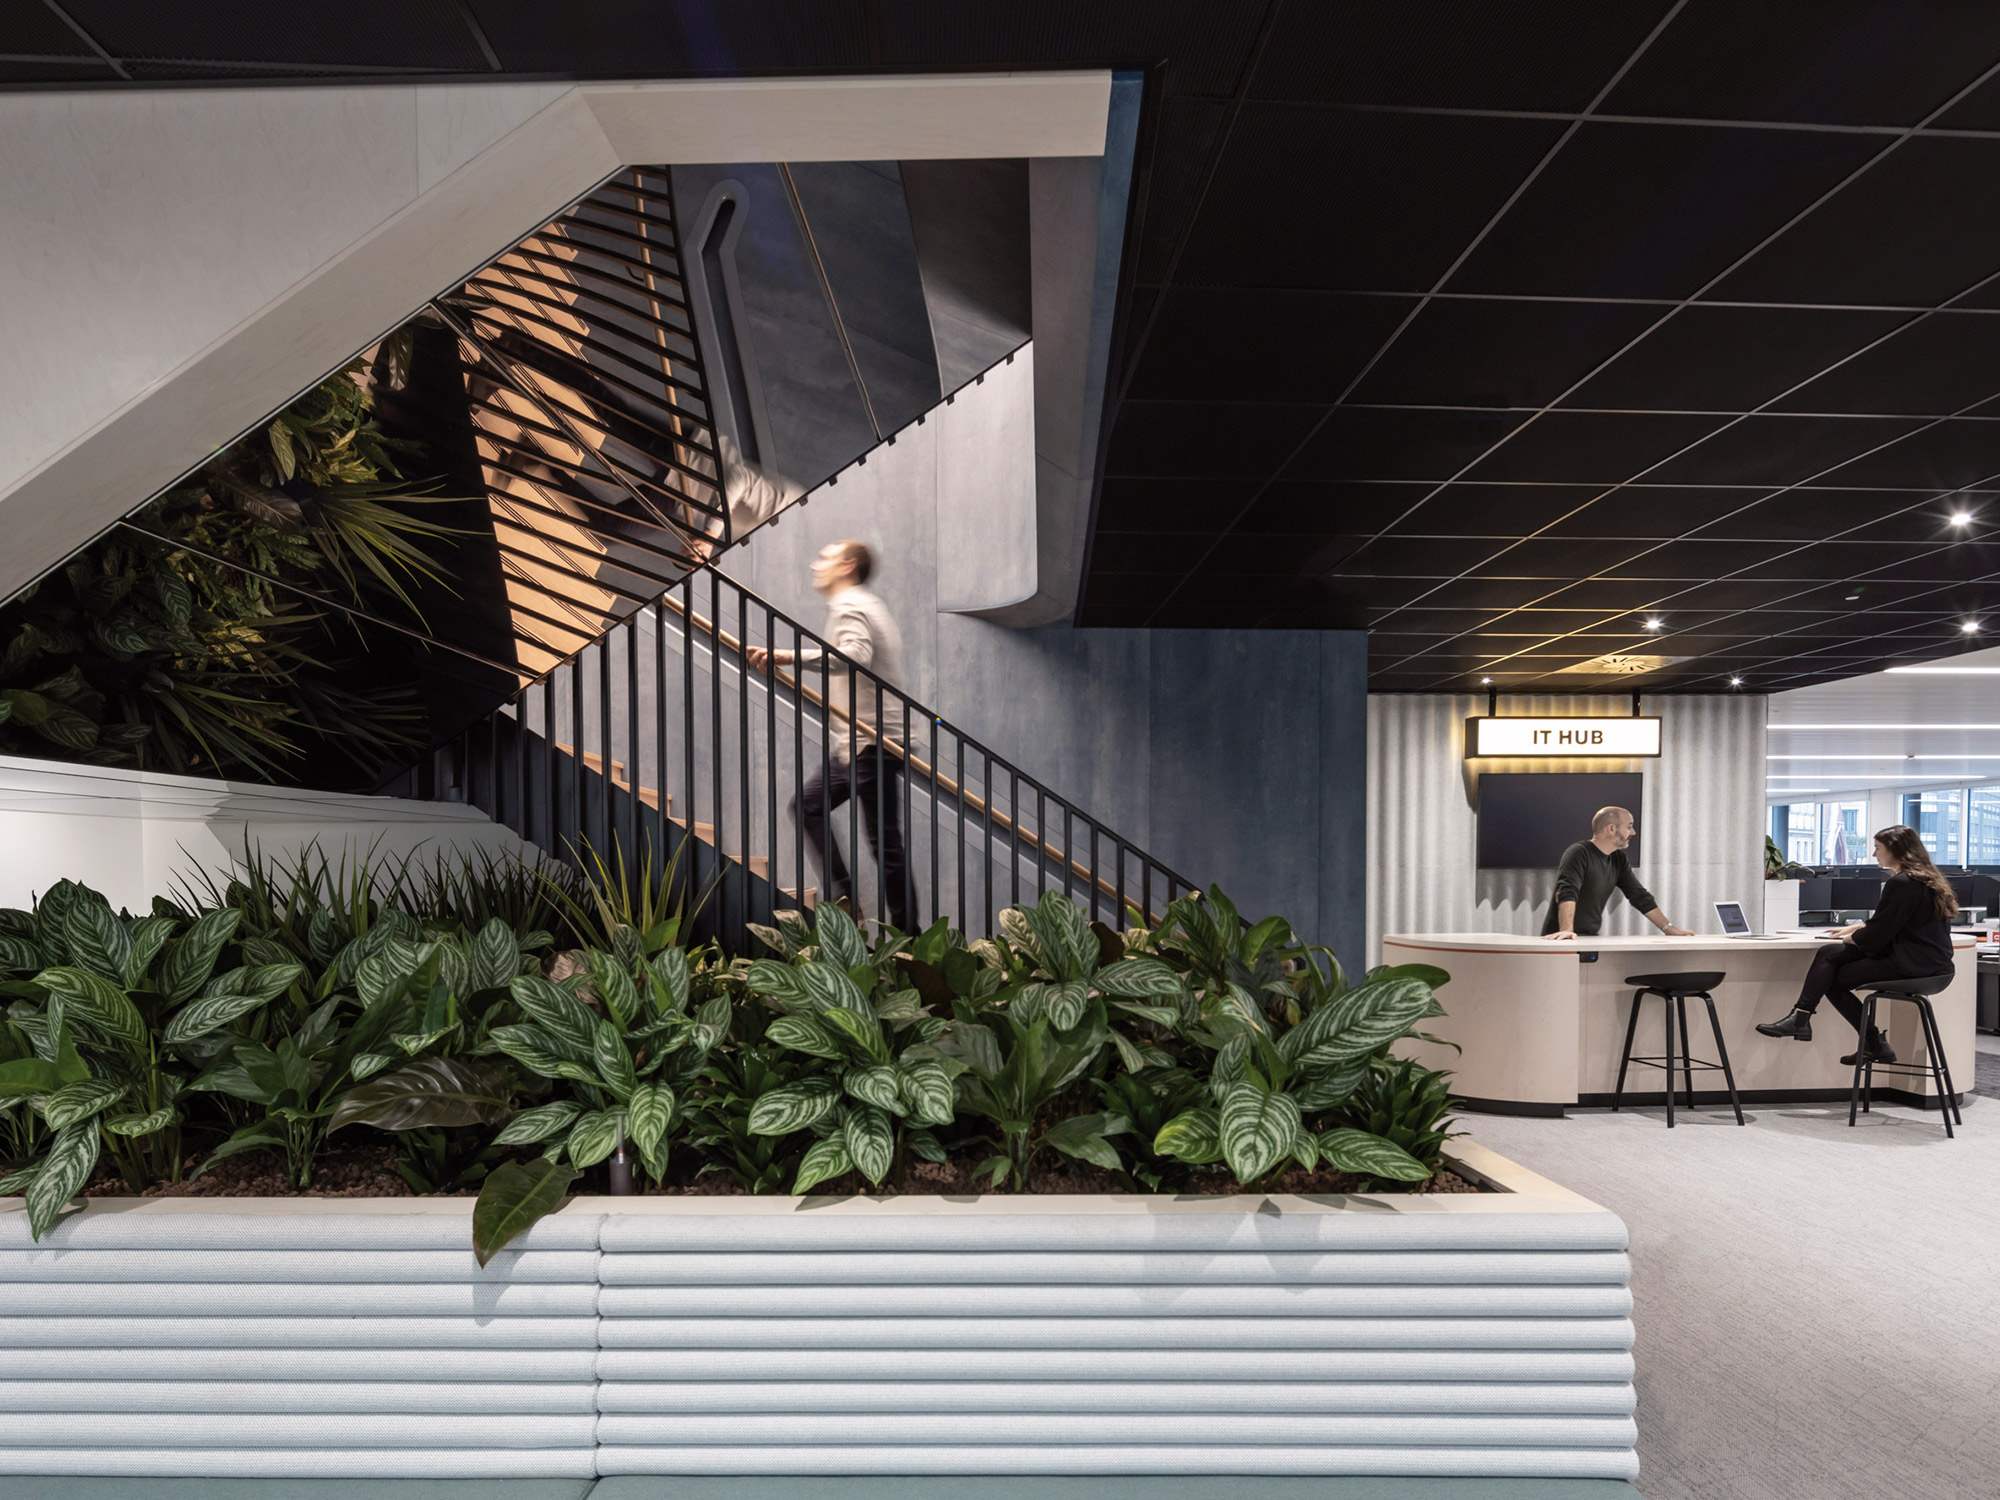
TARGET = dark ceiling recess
(1499,330)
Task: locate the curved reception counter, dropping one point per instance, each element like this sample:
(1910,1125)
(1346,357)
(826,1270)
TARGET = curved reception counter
(1542,1024)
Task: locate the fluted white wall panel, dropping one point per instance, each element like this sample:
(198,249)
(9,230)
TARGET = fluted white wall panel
(1486,1336)
(1702,822)
(148,1339)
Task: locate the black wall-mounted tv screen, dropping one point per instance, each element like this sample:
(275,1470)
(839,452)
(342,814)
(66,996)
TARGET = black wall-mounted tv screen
(1526,820)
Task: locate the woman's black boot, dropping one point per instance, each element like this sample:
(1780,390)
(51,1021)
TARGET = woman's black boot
(1879,1050)
(1797,1026)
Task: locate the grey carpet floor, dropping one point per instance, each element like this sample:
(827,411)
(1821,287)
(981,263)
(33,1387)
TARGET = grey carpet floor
(1818,1308)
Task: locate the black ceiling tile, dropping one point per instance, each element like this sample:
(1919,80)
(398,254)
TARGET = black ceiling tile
(1131,589)
(1960,564)
(1834,562)
(1655,210)
(1945,455)
(380,33)
(1810,515)
(1936,366)
(1378,594)
(1610,595)
(1419,556)
(1291,556)
(1375,443)
(1781,450)
(1424,620)
(1233,343)
(1159,503)
(1093,616)
(1696,560)
(29,27)
(1505,510)
(1326,509)
(627,38)
(1919,227)
(42,70)
(1203,439)
(1138,315)
(1392,198)
(1656,512)
(1561,559)
(1489,594)
(1204,47)
(1707,358)
(1593,447)
(1470,352)
(1180,158)
(1979,110)
(1857,62)
(1549,56)
(1147,551)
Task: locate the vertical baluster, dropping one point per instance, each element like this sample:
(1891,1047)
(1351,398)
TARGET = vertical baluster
(660,728)
(690,845)
(958,742)
(750,912)
(770,769)
(1013,834)
(718,809)
(629,633)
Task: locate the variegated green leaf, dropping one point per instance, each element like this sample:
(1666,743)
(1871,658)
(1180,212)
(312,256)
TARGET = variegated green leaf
(565,1020)
(614,1062)
(16,1183)
(532,1125)
(862,1033)
(1370,1155)
(840,941)
(19,955)
(79,1101)
(1064,1004)
(805,1034)
(492,959)
(149,936)
(794,1106)
(712,1023)
(532,1048)
(97,939)
(613,983)
(1082,1136)
(595,1137)
(191,959)
(649,1114)
(926,1087)
(368,1064)
(1360,1021)
(670,968)
(827,1159)
(98,1004)
(203,1016)
(781,984)
(1318,1088)
(64,1171)
(1194,1137)
(876,1085)
(1138,979)
(159,1119)
(1257,1130)
(871,1141)
(828,988)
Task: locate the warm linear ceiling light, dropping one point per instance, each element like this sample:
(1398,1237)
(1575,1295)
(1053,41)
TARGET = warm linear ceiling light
(1793,791)
(1890,755)
(1874,779)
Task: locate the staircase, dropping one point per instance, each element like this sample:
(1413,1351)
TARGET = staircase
(657,741)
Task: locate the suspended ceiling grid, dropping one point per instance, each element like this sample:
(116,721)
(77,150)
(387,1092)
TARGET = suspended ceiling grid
(1498,330)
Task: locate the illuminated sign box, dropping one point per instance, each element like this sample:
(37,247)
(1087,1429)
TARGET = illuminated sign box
(1552,739)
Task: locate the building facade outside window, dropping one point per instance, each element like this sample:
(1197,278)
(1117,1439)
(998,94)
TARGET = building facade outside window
(1823,833)
(1941,822)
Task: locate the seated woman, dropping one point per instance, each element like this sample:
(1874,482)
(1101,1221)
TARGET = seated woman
(1908,937)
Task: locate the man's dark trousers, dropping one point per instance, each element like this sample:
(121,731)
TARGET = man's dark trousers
(873,778)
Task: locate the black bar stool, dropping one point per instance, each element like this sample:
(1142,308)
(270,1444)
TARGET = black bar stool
(1675,990)
(1917,993)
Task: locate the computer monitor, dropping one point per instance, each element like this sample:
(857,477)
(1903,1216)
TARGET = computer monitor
(1734,923)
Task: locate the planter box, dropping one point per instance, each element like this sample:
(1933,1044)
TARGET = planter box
(1398,1334)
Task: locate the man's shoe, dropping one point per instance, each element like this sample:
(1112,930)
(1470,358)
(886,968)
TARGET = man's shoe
(1878,1050)
(1797,1026)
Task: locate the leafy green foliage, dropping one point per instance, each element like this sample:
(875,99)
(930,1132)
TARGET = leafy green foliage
(165,646)
(1406,1104)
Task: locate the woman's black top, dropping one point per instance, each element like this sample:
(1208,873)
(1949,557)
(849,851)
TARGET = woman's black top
(1907,929)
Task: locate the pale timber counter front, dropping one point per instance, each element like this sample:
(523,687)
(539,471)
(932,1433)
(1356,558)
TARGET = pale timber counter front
(1542,1024)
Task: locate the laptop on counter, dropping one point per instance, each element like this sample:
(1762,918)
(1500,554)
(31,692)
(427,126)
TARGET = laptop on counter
(1734,923)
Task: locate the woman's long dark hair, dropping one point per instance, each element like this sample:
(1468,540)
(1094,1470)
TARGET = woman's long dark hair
(1906,847)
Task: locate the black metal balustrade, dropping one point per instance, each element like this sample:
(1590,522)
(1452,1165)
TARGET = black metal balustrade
(660,740)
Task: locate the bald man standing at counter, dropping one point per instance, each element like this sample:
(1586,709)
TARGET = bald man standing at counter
(1590,871)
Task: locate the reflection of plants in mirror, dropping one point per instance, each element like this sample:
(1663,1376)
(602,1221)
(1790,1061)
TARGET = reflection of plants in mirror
(146,651)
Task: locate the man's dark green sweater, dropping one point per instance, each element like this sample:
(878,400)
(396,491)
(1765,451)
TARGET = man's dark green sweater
(1588,876)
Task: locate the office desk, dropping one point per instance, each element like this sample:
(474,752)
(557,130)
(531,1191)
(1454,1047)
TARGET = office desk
(1542,1027)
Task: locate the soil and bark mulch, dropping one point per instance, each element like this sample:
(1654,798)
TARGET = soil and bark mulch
(369,1172)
